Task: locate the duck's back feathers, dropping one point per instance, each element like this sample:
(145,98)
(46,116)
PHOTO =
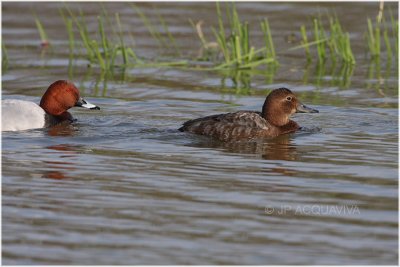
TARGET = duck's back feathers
(230,126)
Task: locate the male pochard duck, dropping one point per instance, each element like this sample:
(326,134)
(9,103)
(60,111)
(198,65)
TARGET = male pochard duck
(60,96)
(272,121)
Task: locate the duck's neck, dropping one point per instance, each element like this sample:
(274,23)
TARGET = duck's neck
(273,114)
(276,119)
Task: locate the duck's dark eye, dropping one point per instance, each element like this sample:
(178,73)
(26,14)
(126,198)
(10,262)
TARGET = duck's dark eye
(289,98)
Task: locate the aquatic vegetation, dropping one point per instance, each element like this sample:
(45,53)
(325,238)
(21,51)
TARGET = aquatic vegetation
(373,38)
(82,30)
(337,42)
(240,80)
(108,44)
(43,36)
(236,47)
(382,39)
(320,38)
(395,32)
(330,73)
(124,51)
(305,41)
(165,39)
(269,44)
(209,51)
(4,58)
(104,49)
(107,50)
(234,50)
(378,32)
(380,79)
(71,39)
(98,50)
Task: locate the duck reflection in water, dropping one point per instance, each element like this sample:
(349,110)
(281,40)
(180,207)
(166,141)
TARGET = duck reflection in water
(59,169)
(62,129)
(278,148)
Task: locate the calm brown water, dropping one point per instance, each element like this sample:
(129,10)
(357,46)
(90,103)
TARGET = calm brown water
(122,186)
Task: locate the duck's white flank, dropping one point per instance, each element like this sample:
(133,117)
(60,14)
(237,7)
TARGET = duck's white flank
(20,115)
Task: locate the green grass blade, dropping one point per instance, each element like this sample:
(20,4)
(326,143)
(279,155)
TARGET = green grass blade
(386,40)
(257,63)
(42,33)
(349,52)
(317,38)
(155,34)
(245,38)
(269,44)
(167,32)
(222,44)
(305,42)
(104,41)
(377,40)
(371,38)
(83,32)
(221,34)
(237,49)
(71,41)
(4,57)
(98,54)
(125,57)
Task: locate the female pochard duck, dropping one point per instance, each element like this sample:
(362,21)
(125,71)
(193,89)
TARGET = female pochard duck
(272,121)
(60,96)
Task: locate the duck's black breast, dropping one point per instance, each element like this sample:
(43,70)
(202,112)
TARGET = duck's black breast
(230,126)
(50,120)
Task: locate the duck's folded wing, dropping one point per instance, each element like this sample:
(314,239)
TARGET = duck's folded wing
(236,125)
(250,119)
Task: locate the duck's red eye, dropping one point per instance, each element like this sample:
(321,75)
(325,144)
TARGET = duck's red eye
(289,98)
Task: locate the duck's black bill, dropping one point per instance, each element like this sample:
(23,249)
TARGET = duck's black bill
(84,104)
(304,109)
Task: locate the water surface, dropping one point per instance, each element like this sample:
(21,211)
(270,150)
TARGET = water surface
(123,186)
